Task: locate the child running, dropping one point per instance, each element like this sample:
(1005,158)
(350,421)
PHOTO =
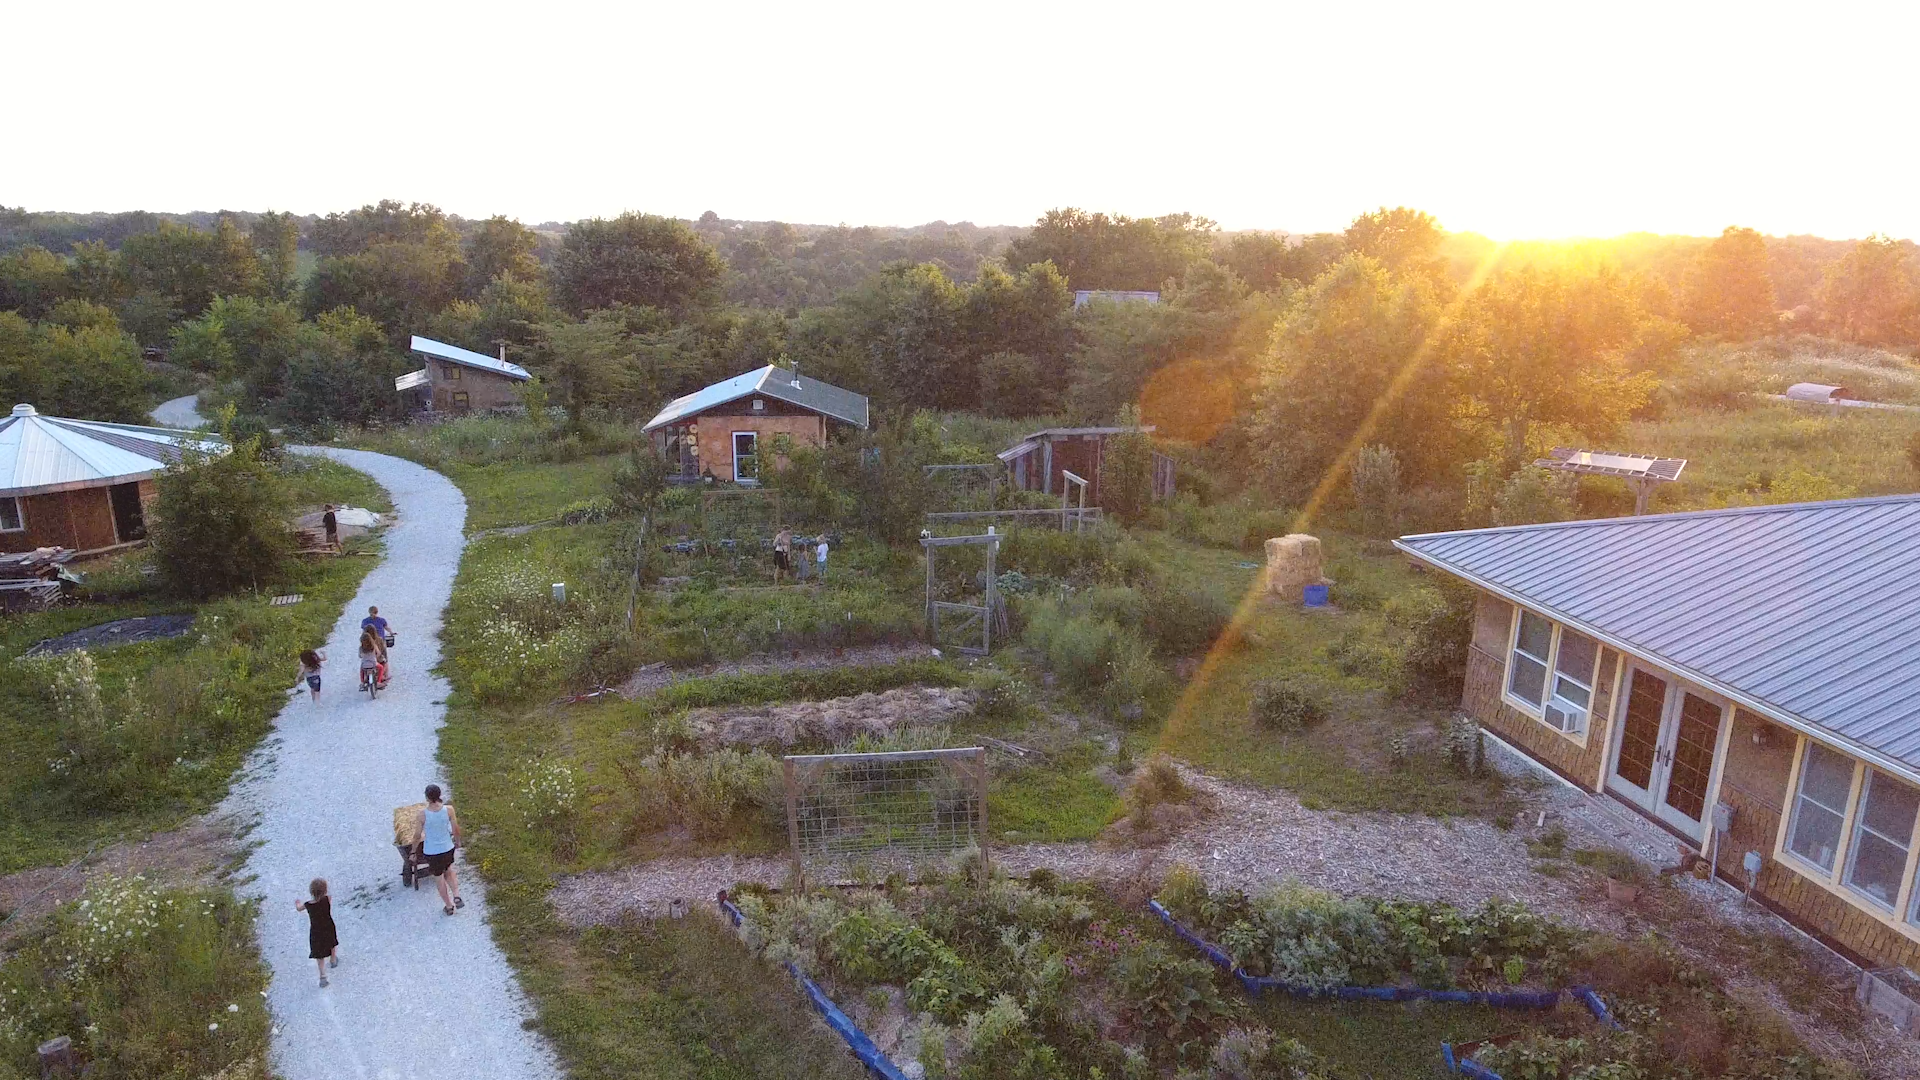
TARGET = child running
(310,662)
(323,940)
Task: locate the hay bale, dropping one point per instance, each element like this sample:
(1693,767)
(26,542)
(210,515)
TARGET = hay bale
(1293,563)
(409,822)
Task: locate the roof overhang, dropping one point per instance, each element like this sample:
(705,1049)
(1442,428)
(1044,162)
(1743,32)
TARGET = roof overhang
(1783,717)
(78,485)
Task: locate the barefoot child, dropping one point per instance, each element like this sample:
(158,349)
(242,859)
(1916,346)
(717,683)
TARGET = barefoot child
(323,941)
(310,662)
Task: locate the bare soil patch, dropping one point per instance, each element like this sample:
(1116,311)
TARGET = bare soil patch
(194,854)
(656,677)
(117,632)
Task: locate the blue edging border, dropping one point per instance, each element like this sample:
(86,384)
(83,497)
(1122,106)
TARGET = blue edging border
(857,1041)
(1464,1066)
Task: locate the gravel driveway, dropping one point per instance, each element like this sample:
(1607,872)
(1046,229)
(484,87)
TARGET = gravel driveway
(181,412)
(417,994)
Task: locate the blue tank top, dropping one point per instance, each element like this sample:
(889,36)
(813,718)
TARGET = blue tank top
(436,832)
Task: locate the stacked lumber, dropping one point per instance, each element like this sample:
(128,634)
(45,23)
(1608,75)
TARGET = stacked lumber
(32,580)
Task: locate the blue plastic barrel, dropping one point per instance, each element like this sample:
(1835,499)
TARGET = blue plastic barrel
(1315,596)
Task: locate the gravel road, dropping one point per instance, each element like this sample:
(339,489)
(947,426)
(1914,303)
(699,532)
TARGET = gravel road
(181,412)
(417,994)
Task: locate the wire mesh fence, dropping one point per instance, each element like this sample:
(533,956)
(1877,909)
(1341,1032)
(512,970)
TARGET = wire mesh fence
(865,816)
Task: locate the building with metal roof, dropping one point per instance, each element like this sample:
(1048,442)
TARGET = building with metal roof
(460,380)
(81,484)
(1747,678)
(716,432)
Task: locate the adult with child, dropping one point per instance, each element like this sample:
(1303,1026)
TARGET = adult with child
(323,938)
(439,839)
(373,661)
(782,552)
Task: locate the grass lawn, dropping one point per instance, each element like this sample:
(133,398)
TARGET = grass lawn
(517,494)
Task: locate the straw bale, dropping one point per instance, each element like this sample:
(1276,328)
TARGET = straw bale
(1293,562)
(409,822)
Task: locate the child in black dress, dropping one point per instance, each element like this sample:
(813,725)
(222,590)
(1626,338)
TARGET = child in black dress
(323,941)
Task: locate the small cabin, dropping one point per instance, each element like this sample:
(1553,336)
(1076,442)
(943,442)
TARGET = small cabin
(721,432)
(1041,461)
(457,380)
(81,484)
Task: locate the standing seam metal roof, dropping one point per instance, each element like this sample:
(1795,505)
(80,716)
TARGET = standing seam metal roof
(773,382)
(1809,612)
(43,454)
(467,358)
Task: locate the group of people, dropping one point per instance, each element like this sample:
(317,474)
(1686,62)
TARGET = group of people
(440,840)
(785,562)
(376,634)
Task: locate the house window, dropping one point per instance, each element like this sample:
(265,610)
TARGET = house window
(460,399)
(1882,833)
(1820,806)
(1572,696)
(1551,673)
(12,516)
(1527,673)
(451,371)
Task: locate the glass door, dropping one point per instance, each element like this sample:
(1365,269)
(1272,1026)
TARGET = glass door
(1664,750)
(746,457)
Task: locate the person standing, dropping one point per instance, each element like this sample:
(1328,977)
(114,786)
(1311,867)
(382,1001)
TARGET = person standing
(323,938)
(782,552)
(820,560)
(310,661)
(439,838)
(331,522)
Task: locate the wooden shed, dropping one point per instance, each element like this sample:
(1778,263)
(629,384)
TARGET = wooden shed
(721,432)
(1041,461)
(80,484)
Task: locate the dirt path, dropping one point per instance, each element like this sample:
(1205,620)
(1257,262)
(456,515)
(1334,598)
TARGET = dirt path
(194,854)
(417,993)
(181,412)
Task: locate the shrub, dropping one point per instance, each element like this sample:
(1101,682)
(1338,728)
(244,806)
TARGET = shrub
(639,481)
(713,796)
(1289,703)
(1174,993)
(1437,626)
(588,511)
(1157,784)
(1000,1045)
(219,522)
(1126,472)
(1092,655)
(1357,655)
(1083,556)
(1182,622)
(1376,489)
(1254,1054)
(1463,746)
(1533,495)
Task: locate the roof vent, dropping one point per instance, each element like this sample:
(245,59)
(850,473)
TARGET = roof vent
(25,410)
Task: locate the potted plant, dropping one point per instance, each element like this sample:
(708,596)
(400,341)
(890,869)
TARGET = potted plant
(1626,875)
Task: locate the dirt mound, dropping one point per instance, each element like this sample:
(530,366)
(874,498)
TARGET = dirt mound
(117,632)
(836,720)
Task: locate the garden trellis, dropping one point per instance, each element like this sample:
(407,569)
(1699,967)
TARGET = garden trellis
(864,816)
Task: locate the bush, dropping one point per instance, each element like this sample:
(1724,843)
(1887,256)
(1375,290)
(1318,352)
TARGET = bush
(219,522)
(1437,626)
(1254,1054)
(1092,654)
(1376,489)
(713,796)
(1289,703)
(588,511)
(1182,622)
(1531,496)
(149,982)
(639,481)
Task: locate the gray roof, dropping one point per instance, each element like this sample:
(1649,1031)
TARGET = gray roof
(440,350)
(43,454)
(774,382)
(1809,613)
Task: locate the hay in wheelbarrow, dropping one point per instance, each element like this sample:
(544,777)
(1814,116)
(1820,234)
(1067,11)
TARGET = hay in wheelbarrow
(408,824)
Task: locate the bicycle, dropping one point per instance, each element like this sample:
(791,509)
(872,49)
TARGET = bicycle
(370,682)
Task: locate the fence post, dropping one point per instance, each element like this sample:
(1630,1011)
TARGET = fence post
(793,826)
(980,793)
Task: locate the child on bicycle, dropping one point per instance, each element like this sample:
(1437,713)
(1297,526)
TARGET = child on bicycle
(373,660)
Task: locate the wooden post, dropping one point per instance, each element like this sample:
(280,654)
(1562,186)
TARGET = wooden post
(980,793)
(793,825)
(986,629)
(932,626)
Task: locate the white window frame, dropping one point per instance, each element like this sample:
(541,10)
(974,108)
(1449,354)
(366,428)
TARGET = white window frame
(19,513)
(1904,915)
(733,453)
(1859,819)
(1583,719)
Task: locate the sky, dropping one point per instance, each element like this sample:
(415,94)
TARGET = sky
(1518,121)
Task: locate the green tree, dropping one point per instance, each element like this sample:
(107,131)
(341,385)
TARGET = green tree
(1730,290)
(1550,346)
(1349,365)
(400,285)
(191,267)
(1013,384)
(93,273)
(32,280)
(639,259)
(76,314)
(1126,471)
(219,522)
(242,339)
(1870,296)
(639,481)
(91,373)
(1403,240)
(591,363)
(276,243)
(497,246)
(1101,251)
(906,324)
